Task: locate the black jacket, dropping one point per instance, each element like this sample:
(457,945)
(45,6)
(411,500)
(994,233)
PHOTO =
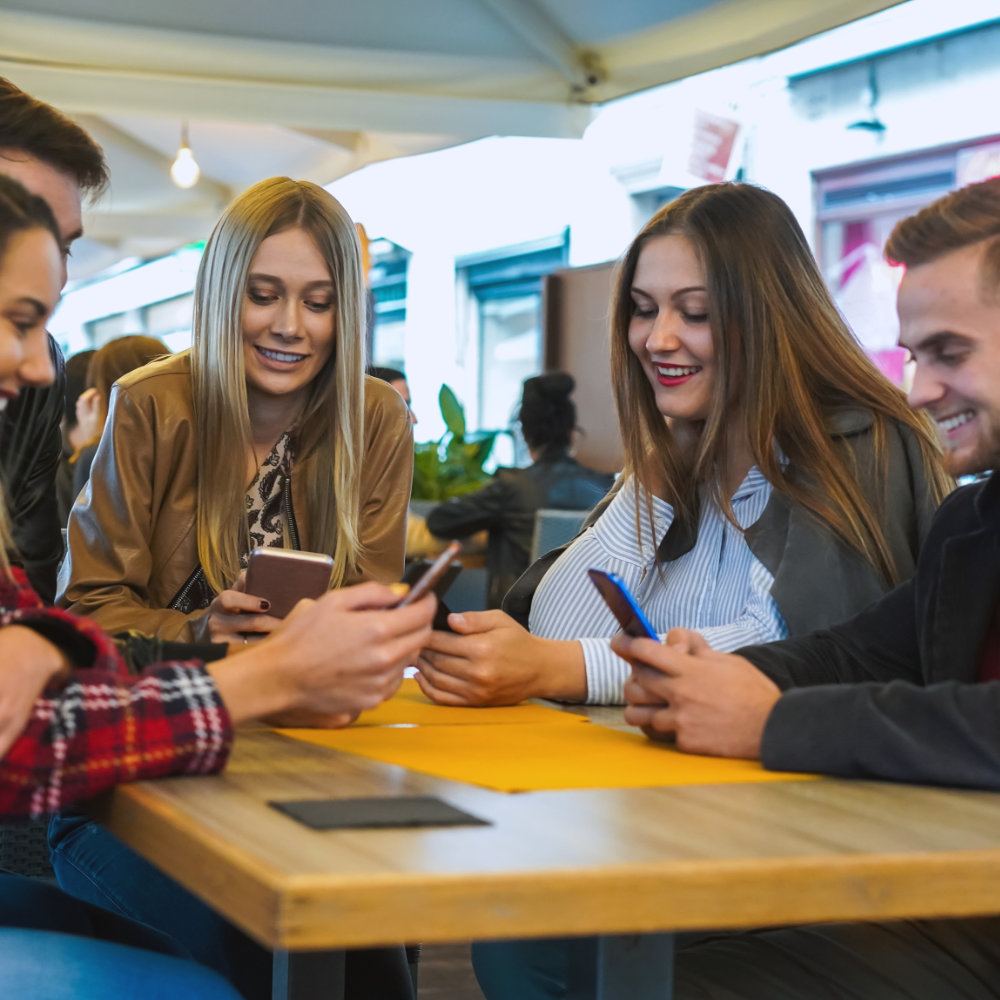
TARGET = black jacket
(507,506)
(30,450)
(893,692)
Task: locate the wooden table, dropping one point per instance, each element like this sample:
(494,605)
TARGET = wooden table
(606,862)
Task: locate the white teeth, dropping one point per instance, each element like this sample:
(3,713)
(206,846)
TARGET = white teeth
(952,422)
(669,372)
(280,355)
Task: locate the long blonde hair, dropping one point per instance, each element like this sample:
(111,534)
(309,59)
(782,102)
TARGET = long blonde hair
(783,354)
(329,434)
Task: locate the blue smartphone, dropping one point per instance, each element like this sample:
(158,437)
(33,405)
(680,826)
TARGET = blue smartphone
(623,605)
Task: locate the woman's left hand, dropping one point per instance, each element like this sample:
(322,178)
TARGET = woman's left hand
(494,661)
(237,617)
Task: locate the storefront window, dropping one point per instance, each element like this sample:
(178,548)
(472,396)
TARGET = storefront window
(506,290)
(857,208)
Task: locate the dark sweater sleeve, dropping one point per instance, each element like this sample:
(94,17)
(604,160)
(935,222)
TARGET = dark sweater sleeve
(463,516)
(855,705)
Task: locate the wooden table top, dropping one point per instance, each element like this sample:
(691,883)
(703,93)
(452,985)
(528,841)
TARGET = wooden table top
(567,862)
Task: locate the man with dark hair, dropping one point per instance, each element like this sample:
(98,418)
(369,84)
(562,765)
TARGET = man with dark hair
(53,158)
(397,380)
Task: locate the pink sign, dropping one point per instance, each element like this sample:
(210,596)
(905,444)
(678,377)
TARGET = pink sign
(712,146)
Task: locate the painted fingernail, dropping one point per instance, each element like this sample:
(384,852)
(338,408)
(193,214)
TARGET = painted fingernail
(399,589)
(265,605)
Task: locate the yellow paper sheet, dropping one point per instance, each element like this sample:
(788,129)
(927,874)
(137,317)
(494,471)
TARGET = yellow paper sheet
(518,758)
(410,707)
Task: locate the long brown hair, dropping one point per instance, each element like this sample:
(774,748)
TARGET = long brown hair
(116,358)
(784,356)
(329,435)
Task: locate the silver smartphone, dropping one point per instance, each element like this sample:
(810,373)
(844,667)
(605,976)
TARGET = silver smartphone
(285,576)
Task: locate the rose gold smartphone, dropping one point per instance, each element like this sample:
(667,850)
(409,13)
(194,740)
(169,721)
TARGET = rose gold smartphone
(431,575)
(285,576)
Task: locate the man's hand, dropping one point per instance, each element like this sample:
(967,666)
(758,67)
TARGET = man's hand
(333,658)
(494,661)
(30,663)
(709,702)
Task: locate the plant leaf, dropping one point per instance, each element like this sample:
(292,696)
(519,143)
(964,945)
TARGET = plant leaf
(451,410)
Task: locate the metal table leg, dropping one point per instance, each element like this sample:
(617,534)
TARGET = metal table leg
(622,967)
(308,975)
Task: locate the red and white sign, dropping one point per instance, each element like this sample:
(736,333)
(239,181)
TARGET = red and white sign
(712,146)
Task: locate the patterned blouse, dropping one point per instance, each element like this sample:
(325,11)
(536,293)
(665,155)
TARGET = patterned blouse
(265,513)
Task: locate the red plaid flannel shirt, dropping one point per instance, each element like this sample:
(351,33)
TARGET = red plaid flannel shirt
(103,727)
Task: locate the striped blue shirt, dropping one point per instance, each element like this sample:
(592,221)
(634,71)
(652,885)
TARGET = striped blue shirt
(718,588)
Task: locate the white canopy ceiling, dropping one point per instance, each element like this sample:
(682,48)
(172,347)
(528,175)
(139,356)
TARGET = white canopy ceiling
(316,89)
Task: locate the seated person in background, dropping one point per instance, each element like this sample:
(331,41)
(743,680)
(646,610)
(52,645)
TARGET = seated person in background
(73,723)
(420,543)
(266,433)
(74,437)
(116,358)
(774,481)
(397,380)
(506,507)
(906,691)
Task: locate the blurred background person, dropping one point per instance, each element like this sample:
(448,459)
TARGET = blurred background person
(116,358)
(506,507)
(397,380)
(74,437)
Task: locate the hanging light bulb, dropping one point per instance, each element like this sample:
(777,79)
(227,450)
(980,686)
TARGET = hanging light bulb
(185,170)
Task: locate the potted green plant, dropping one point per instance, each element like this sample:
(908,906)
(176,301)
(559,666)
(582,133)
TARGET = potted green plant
(452,465)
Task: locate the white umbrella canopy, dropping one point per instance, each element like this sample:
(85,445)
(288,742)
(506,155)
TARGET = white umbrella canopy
(317,89)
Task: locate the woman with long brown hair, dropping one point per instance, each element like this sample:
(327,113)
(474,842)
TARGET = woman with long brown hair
(774,482)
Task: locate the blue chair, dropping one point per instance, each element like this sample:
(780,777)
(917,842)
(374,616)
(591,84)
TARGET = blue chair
(554,528)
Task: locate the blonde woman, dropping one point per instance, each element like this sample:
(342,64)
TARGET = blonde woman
(266,433)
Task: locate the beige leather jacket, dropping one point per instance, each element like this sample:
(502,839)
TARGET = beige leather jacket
(132,541)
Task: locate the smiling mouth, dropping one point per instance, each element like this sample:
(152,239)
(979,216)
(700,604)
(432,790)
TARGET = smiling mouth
(673,371)
(955,421)
(283,357)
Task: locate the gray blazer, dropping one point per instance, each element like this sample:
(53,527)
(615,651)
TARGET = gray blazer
(819,580)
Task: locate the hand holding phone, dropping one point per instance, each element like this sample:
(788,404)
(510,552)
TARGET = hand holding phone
(622,604)
(433,573)
(286,576)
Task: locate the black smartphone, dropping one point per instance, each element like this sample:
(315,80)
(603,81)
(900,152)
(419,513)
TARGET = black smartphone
(623,605)
(433,576)
(416,569)
(285,576)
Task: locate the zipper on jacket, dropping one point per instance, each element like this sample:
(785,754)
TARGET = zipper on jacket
(181,594)
(286,503)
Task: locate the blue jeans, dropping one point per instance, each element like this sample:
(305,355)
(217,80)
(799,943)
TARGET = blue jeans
(93,865)
(54,947)
(45,965)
